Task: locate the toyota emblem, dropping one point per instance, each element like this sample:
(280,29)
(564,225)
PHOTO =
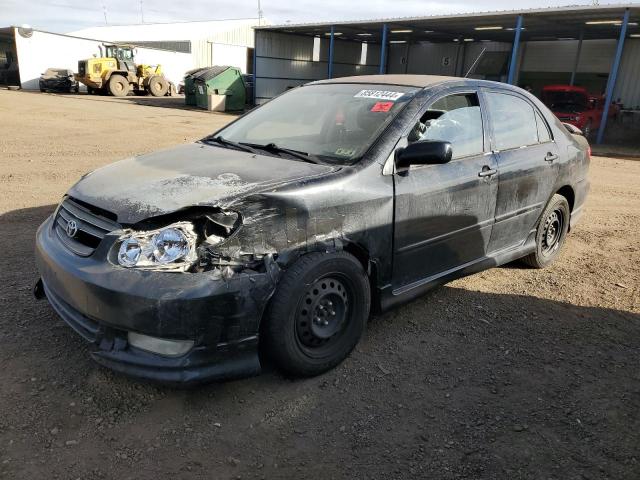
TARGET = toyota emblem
(72,228)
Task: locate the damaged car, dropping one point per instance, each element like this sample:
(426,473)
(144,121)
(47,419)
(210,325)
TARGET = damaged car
(273,239)
(58,80)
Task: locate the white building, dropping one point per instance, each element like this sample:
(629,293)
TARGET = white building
(214,42)
(25,53)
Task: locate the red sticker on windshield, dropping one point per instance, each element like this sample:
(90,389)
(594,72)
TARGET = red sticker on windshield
(382,107)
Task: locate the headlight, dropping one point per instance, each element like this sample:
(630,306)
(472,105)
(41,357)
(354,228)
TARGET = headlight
(169,247)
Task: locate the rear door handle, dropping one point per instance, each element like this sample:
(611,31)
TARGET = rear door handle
(550,157)
(487,172)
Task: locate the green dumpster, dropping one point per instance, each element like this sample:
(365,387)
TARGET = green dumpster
(189,86)
(217,84)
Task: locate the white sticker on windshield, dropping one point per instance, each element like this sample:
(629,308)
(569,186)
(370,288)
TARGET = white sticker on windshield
(379,94)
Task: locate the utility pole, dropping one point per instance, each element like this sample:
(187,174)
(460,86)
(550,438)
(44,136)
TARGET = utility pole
(141,13)
(104,11)
(259,13)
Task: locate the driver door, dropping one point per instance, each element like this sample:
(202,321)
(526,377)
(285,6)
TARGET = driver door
(444,213)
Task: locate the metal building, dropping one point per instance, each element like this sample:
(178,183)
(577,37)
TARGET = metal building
(594,46)
(210,42)
(25,52)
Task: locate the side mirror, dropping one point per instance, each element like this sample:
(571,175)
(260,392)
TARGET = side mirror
(426,152)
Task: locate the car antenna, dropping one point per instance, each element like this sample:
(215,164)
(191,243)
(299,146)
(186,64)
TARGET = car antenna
(474,63)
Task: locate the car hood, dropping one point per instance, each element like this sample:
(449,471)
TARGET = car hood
(189,175)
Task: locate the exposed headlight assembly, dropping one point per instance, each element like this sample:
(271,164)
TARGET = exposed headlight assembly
(172,247)
(178,246)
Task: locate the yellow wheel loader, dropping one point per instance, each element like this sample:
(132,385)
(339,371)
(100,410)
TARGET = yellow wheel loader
(117,74)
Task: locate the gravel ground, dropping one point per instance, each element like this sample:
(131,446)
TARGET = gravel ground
(511,373)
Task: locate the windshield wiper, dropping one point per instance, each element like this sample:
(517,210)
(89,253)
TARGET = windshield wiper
(229,143)
(272,147)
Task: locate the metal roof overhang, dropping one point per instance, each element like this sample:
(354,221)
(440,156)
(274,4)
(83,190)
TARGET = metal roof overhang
(539,24)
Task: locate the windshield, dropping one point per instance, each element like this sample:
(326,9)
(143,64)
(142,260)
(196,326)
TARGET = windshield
(336,123)
(565,101)
(56,72)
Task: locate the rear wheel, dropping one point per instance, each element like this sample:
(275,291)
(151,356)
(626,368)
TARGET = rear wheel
(318,313)
(158,86)
(118,86)
(551,233)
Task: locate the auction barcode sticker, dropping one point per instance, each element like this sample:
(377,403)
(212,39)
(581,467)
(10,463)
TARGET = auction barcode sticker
(379,95)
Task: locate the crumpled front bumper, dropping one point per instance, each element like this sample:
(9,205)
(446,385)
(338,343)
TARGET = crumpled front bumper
(103,302)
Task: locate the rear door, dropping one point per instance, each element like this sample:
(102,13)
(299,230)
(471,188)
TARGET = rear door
(444,213)
(527,159)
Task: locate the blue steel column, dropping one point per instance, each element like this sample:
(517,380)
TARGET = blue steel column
(255,62)
(514,53)
(577,61)
(383,50)
(331,42)
(611,82)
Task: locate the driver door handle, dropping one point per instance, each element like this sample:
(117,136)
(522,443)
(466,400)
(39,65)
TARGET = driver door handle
(487,171)
(550,157)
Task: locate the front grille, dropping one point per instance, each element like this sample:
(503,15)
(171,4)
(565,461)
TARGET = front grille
(90,227)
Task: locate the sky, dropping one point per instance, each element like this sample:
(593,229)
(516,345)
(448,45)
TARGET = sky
(68,15)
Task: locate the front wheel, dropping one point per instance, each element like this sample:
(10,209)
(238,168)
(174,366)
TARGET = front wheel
(317,314)
(118,86)
(551,233)
(158,86)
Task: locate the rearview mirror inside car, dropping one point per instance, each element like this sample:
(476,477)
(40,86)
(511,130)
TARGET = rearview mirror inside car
(426,152)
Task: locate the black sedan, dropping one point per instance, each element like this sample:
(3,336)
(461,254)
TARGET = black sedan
(58,80)
(281,232)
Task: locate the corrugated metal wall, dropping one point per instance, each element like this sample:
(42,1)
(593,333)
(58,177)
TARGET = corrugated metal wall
(553,56)
(628,82)
(285,61)
(204,50)
(428,58)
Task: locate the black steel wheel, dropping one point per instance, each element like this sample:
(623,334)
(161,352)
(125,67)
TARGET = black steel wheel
(317,314)
(551,233)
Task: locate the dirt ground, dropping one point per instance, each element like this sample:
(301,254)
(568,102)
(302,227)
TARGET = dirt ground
(509,374)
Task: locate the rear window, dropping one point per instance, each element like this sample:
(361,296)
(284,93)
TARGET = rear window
(513,119)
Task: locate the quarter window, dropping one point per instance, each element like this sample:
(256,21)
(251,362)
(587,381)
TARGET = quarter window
(513,119)
(543,131)
(455,119)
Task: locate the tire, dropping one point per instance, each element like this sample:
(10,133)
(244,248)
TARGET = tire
(118,86)
(77,89)
(550,233)
(317,314)
(42,90)
(157,86)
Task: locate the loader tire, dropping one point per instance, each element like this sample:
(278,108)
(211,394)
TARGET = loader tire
(118,86)
(158,86)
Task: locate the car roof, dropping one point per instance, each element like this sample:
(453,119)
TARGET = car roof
(404,80)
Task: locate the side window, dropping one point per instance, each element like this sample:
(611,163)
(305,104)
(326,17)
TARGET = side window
(455,119)
(543,130)
(513,119)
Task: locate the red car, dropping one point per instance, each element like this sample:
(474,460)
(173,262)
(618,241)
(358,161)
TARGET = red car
(576,106)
